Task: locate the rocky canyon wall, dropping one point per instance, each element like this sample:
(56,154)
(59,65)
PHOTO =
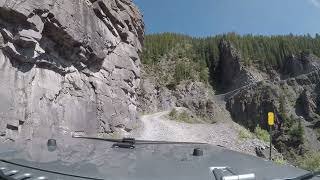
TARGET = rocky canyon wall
(68,66)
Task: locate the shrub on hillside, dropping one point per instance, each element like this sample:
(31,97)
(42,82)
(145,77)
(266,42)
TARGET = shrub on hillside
(318,133)
(280,161)
(297,133)
(245,134)
(282,112)
(204,75)
(173,114)
(310,161)
(262,134)
(180,116)
(184,117)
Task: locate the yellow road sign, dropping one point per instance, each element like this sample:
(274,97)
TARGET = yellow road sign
(271,118)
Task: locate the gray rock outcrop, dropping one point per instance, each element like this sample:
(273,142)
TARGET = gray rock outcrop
(68,66)
(303,64)
(230,73)
(300,92)
(229,64)
(306,106)
(195,96)
(249,106)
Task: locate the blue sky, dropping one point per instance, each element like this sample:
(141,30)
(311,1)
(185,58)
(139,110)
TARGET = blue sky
(209,17)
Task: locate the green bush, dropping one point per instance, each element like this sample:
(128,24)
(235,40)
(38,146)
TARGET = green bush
(318,133)
(282,111)
(297,132)
(173,114)
(184,117)
(182,72)
(181,117)
(204,75)
(310,162)
(262,134)
(280,160)
(245,134)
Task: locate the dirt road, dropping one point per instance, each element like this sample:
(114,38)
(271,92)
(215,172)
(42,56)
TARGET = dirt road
(158,127)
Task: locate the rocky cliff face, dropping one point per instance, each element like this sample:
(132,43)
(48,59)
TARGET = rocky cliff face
(195,96)
(230,74)
(302,64)
(68,66)
(301,96)
(294,100)
(250,105)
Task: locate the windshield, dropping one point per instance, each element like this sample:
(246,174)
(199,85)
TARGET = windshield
(212,78)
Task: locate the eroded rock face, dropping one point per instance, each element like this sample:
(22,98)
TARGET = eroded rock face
(229,64)
(300,95)
(68,66)
(253,102)
(231,74)
(306,106)
(195,96)
(249,106)
(303,64)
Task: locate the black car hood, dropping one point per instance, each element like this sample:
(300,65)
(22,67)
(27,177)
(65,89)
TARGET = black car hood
(96,159)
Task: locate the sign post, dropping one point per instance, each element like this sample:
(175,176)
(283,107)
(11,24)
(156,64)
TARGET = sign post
(270,123)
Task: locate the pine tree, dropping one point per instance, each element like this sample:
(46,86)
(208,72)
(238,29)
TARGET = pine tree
(260,51)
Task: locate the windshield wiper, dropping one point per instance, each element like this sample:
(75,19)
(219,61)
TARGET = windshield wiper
(307,176)
(130,142)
